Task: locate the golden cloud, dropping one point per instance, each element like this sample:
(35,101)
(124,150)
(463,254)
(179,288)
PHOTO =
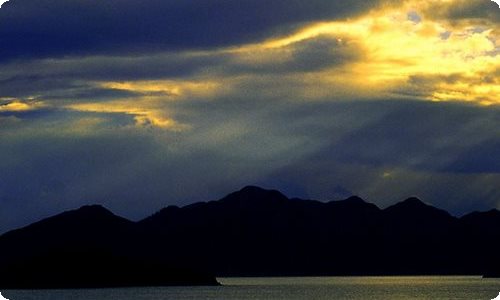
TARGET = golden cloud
(20,106)
(401,42)
(145,115)
(416,49)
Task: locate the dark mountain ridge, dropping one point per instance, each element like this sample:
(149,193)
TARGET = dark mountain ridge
(86,248)
(252,232)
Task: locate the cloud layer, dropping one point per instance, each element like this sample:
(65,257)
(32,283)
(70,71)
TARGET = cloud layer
(58,27)
(141,104)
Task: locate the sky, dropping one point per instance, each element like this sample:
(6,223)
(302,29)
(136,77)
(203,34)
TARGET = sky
(137,105)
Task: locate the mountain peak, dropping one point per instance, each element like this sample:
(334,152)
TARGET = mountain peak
(87,215)
(355,199)
(411,204)
(94,208)
(414,207)
(252,189)
(413,201)
(90,211)
(255,193)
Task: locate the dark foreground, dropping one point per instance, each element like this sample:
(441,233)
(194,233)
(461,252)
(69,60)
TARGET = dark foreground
(252,232)
(60,271)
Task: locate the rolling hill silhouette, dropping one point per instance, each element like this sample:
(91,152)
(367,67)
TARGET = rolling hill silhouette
(251,232)
(86,248)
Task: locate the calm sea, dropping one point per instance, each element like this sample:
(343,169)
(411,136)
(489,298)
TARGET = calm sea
(423,287)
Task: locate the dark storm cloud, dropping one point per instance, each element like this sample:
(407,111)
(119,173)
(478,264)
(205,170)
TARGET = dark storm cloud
(94,94)
(62,122)
(28,84)
(69,72)
(308,55)
(76,79)
(48,28)
(421,136)
(482,158)
(42,88)
(30,114)
(410,135)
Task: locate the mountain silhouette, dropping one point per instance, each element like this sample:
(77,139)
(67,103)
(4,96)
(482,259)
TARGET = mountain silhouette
(86,248)
(251,232)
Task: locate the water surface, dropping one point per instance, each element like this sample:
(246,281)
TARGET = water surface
(279,288)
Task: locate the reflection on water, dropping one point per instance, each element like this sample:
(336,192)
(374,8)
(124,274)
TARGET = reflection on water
(401,287)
